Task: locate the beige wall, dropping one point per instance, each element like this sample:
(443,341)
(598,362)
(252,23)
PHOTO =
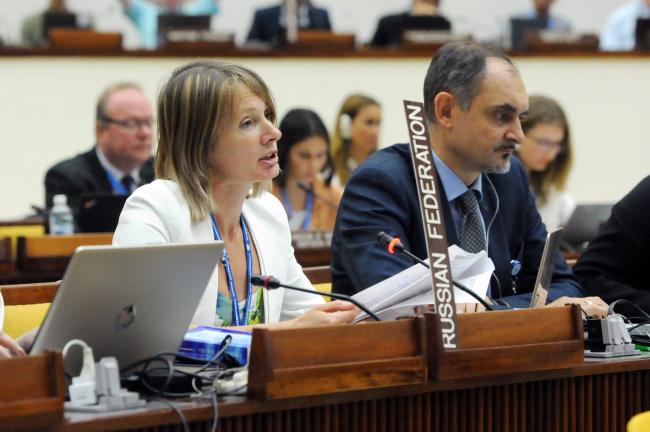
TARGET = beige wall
(46,109)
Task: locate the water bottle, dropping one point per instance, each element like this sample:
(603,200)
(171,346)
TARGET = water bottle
(61,221)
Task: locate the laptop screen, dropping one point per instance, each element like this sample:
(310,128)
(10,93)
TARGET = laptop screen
(545,272)
(128,302)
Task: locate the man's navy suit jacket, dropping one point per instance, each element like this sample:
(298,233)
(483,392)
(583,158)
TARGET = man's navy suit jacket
(266,23)
(382,196)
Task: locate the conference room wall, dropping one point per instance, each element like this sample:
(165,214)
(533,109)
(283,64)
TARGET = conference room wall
(47,109)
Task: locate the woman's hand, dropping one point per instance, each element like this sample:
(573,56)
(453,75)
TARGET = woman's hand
(9,347)
(592,306)
(335,312)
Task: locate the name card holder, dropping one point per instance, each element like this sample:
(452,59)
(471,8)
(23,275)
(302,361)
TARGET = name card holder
(506,342)
(192,42)
(553,42)
(32,393)
(321,41)
(311,361)
(85,41)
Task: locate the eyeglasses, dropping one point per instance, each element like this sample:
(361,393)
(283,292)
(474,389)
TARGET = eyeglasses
(131,125)
(549,146)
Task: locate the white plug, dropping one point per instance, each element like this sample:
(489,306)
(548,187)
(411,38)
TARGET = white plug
(108,377)
(236,383)
(82,389)
(97,388)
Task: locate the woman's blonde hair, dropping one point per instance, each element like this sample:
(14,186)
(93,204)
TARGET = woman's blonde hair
(544,110)
(341,139)
(192,108)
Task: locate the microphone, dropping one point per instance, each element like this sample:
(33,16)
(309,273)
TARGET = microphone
(269,282)
(395,244)
(304,186)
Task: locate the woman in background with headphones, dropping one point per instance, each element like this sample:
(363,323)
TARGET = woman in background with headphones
(304,156)
(356,135)
(546,153)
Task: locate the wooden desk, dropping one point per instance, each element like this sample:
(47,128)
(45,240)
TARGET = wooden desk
(347,51)
(45,258)
(600,396)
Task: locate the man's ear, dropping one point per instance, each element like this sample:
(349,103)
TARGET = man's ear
(443,105)
(99,127)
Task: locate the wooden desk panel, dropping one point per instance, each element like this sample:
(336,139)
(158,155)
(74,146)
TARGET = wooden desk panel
(593,397)
(365,52)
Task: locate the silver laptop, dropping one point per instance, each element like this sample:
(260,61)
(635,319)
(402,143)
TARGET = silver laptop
(128,302)
(546,266)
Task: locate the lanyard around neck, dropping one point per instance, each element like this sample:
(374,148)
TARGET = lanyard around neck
(309,207)
(231,280)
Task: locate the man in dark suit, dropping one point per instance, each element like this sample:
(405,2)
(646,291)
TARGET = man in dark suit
(614,264)
(422,16)
(269,24)
(474,100)
(120,162)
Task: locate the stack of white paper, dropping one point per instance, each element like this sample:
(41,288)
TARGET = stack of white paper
(399,294)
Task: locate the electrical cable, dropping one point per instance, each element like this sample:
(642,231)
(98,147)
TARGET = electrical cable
(610,310)
(145,374)
(179,413)
(215,412)
(636,338)
(494,216)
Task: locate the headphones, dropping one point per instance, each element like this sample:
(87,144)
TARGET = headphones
(345,126)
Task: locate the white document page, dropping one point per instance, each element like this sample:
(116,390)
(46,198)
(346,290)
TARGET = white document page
(400,293)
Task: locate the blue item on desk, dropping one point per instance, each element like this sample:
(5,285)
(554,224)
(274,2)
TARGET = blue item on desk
(203,342)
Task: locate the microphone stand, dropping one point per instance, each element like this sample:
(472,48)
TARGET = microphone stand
(269,282)
(384,239)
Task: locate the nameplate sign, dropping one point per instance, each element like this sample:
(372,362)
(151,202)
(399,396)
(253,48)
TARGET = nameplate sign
(432,220)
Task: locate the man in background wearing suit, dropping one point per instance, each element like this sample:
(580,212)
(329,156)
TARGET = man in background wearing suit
(270,24)
(120,162)
(474,101)
(424,15)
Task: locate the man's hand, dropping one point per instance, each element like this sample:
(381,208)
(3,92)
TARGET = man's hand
(592,306)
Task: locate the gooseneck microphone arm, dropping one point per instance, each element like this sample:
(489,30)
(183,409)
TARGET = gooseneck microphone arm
(270,282)
(393,244)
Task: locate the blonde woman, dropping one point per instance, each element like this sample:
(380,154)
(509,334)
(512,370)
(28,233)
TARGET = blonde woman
(546,152)
(356,135)
(217,153)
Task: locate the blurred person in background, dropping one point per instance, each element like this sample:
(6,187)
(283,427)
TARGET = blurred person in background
(619,31)
(33,27)
(121,160)
(356,135)
(547,155)
(304,185)
(270,23)
(542,11)
(144,14)
(390,28)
